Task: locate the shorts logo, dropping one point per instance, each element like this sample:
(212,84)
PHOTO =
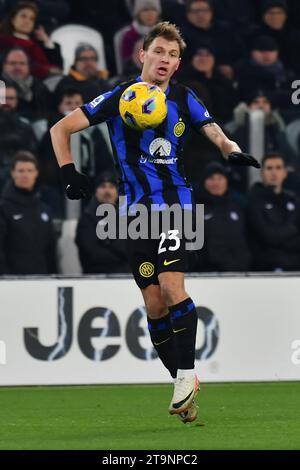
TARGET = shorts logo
(160,147)
(179,128)
(146,269)
(166,263)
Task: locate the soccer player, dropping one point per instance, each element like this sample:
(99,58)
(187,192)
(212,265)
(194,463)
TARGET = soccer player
(158,266)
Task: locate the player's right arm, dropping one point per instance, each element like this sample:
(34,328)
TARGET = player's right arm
(61,135)
(102,108)
(76,184)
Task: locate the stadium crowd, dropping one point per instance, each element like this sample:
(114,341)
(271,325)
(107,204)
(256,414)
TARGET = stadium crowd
(242,55)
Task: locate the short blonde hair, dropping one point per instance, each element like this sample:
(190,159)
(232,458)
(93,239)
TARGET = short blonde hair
(168,31)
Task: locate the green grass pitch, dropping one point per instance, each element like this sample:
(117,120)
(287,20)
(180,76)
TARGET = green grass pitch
(231,416)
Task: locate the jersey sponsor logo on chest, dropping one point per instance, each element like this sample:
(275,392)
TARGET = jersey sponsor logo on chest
(159,149)
(162,161)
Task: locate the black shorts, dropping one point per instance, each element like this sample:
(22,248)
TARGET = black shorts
(152,256)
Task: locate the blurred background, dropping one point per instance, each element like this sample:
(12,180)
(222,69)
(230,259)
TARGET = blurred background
(241,60)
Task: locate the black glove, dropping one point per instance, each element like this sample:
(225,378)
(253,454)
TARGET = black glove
(76,185)
(242,159)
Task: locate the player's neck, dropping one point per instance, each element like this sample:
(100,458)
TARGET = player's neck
(162,85)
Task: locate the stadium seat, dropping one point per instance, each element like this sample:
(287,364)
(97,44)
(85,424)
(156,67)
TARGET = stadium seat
(68,257)
(40,127)
(117,48)
(52,82)
(293,135)
(71,35)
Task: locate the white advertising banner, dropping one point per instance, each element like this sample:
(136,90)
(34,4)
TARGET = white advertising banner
(93,331)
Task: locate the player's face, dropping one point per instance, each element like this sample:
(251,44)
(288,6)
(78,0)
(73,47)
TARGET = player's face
(274,172)
(216,184)
(25,175)
(160,61)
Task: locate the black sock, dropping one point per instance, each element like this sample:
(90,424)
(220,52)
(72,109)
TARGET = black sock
(162,338)
(184,323)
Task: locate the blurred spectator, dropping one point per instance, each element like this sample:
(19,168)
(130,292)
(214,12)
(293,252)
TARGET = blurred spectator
(146,14)
(16,133)
(294,9)
(18,30)
(84,75)
(107,17)
(225,244)
(132,66)
(275,219)
(236,12)
(94,151)
(201,27)
(264,70)
(51,12)
(274,127)
(27,240)
(220,93)
(173,10)
(34,97)
(275,23)
(96,255)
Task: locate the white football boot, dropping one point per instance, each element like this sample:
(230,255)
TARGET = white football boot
(190,415)
(185,390)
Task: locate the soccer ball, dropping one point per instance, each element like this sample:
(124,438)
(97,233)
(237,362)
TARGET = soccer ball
(143,106)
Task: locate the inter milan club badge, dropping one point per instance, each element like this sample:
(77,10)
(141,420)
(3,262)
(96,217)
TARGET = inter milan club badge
(179,128)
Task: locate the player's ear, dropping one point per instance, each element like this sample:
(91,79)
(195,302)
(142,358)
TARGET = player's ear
(142,55)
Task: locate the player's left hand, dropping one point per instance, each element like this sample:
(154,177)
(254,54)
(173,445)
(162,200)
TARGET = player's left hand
(243,159)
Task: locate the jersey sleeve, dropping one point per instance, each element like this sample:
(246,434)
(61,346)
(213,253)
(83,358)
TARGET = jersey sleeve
(199,115)
(104,107)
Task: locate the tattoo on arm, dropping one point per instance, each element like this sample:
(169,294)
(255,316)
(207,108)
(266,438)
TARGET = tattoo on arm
(215,134)
(213,131)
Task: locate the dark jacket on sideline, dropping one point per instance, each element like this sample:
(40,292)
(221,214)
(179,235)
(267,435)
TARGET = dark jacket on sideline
(99,256)
(27,237)
(225,242)
(275,228)
(16,134)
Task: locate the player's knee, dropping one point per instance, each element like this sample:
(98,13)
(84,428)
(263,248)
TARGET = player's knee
(156,309)
(171,293)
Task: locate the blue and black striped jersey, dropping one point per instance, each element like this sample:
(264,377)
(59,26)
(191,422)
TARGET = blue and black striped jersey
(150,162)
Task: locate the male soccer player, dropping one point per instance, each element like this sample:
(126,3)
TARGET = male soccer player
(158,266)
